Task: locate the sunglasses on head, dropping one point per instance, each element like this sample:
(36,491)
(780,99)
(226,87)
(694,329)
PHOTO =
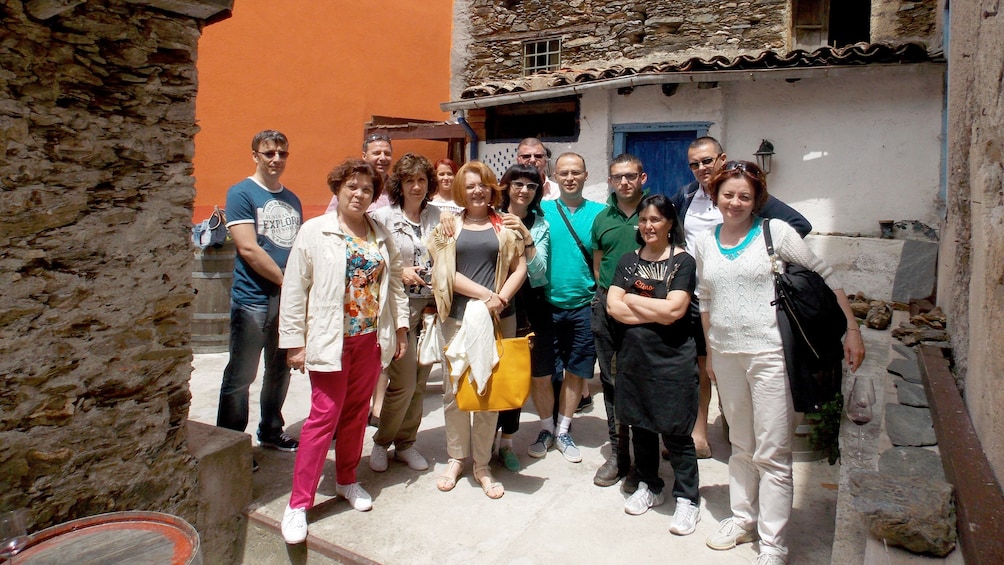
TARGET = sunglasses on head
(743,166)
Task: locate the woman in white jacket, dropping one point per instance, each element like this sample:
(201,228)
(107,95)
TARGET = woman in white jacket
(343,316)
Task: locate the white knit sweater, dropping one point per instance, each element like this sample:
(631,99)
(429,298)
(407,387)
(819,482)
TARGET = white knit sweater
(738,292)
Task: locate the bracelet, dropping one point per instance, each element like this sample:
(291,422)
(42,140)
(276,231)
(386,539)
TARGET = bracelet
(488,298)
(531,244)
(854,329)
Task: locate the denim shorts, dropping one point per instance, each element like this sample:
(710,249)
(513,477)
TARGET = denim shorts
(574,350)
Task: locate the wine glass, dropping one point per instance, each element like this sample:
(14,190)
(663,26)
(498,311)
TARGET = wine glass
(859,408)
(13,533)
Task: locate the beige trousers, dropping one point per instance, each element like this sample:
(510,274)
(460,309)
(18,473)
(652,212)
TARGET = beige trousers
(402,403)
(469,433)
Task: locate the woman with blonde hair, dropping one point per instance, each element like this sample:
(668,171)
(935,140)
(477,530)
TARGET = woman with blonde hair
(481,261)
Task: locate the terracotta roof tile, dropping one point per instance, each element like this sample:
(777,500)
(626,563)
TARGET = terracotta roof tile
(857,54)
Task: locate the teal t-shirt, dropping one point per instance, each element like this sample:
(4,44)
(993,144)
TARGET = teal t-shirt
(571,283)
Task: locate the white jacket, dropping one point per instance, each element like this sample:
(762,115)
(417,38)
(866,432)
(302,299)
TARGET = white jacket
(312,309)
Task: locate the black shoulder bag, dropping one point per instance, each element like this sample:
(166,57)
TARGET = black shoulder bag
(575,236)
(812,325)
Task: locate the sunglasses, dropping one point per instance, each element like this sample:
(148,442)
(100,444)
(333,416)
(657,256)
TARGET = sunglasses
(707,161)
(271,154)
(376,137)
(519,185)
(532,156)
(743,166)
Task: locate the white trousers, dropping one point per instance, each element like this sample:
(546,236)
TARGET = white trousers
(756,400)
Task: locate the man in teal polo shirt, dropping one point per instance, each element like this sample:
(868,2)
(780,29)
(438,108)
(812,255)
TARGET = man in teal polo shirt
(613,235)
(569,292)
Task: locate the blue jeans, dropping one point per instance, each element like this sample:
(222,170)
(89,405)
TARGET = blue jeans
(253,328)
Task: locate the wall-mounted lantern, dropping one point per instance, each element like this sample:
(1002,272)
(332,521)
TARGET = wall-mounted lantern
(763,155)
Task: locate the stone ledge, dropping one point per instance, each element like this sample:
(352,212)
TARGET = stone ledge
(264,546)
(979,500)
(224,488)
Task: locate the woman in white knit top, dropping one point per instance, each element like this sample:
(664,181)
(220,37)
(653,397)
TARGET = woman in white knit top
(746,359)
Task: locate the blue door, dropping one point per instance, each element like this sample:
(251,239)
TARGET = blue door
(664,155)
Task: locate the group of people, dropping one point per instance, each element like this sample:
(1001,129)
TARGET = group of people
(666,291)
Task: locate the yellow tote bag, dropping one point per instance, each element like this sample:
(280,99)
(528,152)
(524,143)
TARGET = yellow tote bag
(509,386)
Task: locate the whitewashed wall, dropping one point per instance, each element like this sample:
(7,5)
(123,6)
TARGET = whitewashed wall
(849,151)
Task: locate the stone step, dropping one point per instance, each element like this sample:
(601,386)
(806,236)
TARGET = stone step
(263,545)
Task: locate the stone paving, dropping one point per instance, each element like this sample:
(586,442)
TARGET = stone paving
(551,513)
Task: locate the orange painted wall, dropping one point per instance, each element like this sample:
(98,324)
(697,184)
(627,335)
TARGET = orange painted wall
(317,71)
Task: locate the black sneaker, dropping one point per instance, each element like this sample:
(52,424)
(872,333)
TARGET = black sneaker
(584,402)
(282,442)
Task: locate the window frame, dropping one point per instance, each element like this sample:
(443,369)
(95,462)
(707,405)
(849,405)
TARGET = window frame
(551,53)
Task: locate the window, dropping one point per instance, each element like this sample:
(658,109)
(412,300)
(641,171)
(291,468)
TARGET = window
(816,23)
(556,119)
(544,55)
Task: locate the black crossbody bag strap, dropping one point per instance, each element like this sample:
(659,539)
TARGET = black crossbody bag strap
(582,248)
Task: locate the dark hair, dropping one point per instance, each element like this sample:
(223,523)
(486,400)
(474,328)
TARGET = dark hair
(667,210)
(269,135)
(519,171)
(375,137)
(408,165)
(459,187)
(342,173)
(444,161)
(626,158)
(706,140)
(745,170)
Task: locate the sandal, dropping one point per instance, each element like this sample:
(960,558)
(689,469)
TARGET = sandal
(492,488)
(448,480)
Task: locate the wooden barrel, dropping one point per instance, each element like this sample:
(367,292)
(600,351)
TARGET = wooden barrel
(118,538)
(212,275)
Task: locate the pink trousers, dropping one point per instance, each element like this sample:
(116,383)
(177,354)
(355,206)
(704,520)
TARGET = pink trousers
(339,401)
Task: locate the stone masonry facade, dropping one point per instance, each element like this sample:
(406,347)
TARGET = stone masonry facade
(97,119)
(598,33)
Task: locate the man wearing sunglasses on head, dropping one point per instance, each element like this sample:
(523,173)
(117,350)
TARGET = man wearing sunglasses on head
(697,213)
(377,151)
(531,151)
(263,217)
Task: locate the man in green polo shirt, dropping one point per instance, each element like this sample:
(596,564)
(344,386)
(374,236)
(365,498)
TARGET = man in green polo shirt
(613,235)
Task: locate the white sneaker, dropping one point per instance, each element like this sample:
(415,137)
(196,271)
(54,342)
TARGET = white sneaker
(378,458)
(294,525)
(642,500)
(357,497)
(729,535)
(769,559)
(685,518)
(412,457)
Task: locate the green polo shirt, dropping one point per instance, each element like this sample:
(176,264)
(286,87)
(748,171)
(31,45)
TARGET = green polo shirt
(613,233)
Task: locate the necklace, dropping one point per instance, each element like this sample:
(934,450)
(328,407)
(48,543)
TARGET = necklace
(476,220)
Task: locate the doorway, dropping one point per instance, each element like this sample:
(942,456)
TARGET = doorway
(662,149)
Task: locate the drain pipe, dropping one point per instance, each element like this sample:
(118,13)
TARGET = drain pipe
(470,133)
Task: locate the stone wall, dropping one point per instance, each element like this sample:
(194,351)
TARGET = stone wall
(596,33)
(97,118)
(973,247)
